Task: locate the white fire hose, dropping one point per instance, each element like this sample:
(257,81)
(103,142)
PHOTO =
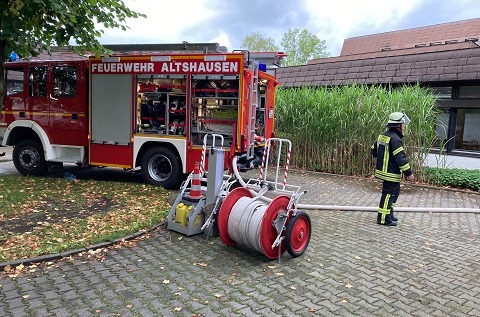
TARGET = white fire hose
(357,208)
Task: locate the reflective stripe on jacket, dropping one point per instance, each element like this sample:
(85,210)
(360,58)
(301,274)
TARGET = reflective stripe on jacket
(391,157)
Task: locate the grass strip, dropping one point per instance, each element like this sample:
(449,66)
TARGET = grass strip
(42,215)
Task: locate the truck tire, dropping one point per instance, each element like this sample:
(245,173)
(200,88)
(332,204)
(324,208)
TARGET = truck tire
(161,167)
(29,159)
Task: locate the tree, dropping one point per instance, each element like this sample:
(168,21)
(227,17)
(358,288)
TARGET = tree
(301,46)
(256,42)
(27,27)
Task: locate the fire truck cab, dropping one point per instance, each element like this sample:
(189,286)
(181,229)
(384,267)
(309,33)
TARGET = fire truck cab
(145,112)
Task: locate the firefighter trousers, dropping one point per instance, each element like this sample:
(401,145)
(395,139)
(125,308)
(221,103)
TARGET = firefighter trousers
(390,193)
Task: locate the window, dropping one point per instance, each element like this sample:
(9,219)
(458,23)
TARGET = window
(442,92)
(441,127)
(37,81)
(469,92)
(65,81)
(468,129)
(14,81)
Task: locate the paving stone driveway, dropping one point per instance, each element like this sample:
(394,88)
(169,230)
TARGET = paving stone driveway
(427,266)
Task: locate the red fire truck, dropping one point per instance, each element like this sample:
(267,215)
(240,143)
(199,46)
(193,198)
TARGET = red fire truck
(141,111)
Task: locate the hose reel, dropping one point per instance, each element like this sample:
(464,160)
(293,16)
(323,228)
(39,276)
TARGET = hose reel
(270,228)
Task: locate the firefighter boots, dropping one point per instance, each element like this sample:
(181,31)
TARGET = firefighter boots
(392,216)
(385,219)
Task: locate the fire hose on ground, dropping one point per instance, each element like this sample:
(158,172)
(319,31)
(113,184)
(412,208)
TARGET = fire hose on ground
(359,208)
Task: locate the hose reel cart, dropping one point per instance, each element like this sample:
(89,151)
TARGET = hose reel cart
(270,226)
(244,215)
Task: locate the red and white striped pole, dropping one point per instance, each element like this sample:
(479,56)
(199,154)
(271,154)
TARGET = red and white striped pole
(204,151)
(287,163)
(262,167)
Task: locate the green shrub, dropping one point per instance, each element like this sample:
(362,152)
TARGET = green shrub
(454,177)
(332,129)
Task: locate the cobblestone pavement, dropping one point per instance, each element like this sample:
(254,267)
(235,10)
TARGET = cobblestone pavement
(427,266)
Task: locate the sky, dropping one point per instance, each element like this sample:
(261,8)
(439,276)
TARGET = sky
(227,22)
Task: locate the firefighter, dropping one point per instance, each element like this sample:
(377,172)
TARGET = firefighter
(391,162)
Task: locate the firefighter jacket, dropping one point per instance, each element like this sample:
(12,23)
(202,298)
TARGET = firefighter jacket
(391,157)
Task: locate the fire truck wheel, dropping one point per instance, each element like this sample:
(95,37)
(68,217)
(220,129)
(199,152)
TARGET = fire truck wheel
(29,158)
(297,238)
(161,167)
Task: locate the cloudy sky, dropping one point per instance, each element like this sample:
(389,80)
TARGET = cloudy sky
(227,22)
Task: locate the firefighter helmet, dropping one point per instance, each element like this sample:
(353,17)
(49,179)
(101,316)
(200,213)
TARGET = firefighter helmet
(397,118)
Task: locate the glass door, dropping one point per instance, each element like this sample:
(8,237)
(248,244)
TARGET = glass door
(467,132)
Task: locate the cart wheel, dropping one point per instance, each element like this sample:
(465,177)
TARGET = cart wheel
(298,234)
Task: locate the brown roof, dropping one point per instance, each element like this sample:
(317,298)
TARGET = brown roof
(398,52)
(427,35)
(441,66)
(439,53)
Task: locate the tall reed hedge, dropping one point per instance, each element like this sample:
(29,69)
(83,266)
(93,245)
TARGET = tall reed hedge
(332,129)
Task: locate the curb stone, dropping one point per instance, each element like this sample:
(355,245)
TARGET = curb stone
(68,253)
